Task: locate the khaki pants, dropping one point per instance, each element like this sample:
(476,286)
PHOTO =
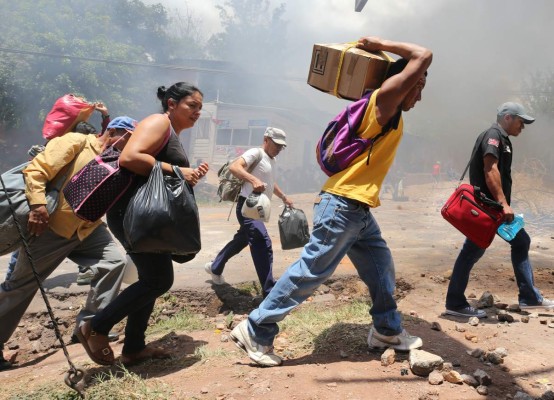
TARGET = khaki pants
(98,251)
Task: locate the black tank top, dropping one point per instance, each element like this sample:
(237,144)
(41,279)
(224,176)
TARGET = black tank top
(173,152)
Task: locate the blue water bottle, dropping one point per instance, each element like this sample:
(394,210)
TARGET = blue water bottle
(508,231)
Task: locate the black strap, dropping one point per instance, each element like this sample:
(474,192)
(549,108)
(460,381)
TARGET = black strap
(475,151)
(393,123)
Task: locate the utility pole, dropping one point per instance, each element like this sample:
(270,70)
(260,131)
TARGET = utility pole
(359,6)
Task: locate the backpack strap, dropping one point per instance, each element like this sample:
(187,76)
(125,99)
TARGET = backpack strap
(389,126)
(257,160)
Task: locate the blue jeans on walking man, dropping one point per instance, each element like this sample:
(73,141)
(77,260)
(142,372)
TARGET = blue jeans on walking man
(341,227)
(252,233)
(470,254)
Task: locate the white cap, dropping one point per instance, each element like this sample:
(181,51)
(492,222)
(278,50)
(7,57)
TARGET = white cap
(257,206)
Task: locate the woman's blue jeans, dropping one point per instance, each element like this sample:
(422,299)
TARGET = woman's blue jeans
(340,227)
(470,254)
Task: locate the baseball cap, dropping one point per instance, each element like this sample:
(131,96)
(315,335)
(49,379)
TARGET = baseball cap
(511,108)
(124,122)
(277,135)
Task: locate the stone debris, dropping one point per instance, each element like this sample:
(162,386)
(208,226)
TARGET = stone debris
(435,378)
(422,363)
(482,390)
(436,326)
(503,316)
(459,328)
(388,357)
(522,396)
(477,353)
(469,380)
(453,377)
(486,300)
(482,377)
(525,319)
(514,308)
(472,337)
(473,321)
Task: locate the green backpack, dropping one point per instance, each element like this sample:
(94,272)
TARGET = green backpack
(229,185)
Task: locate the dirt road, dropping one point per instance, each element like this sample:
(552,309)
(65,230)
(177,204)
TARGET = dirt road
(424,248)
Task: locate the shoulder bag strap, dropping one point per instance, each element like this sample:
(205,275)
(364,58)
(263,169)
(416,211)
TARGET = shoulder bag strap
(473,155)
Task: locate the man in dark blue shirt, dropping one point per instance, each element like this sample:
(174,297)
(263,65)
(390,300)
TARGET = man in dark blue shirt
(490,169)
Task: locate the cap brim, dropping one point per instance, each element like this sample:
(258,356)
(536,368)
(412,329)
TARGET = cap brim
(527,119)
(279,141)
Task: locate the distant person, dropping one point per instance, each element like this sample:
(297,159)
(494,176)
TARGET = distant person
(61,235)
(181,105)
(436,173)
(343,222)
(490,170)
(252,232)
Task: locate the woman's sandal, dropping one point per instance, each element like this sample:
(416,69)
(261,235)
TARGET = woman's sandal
(90,340)
(148,353)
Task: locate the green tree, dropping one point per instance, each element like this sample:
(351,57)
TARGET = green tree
(109,44)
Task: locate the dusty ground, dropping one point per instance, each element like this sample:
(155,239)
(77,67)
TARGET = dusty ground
(424,247)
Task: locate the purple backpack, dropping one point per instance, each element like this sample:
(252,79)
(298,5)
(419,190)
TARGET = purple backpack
(340,144)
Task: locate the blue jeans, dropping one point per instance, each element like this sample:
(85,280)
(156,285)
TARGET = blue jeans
(251,233)
(470,254)
(340,227)
(11,264)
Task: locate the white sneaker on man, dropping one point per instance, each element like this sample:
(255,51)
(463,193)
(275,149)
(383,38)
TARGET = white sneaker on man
(401,342)
(545,303)
(262,355)
(216,279)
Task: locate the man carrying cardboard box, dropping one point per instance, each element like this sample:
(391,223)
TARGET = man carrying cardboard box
(344,224)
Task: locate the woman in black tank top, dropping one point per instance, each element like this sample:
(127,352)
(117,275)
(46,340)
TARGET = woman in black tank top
(181,105)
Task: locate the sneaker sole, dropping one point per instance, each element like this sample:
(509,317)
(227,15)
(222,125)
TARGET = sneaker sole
(458,314)
(241,346)
(238,343)
(378,348)
(536,307)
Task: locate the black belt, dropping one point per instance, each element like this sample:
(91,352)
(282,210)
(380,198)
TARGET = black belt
(365,206)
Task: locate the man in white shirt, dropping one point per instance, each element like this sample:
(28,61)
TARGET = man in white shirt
(252,232)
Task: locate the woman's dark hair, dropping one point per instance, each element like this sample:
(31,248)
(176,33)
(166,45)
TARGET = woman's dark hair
(176,92)
(397,67)
(86,128)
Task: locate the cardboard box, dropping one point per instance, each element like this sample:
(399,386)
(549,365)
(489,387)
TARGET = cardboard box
(360,70)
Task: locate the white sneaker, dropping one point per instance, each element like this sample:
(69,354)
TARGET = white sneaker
(401,342)
(216,279)
(262,355)
(544,304)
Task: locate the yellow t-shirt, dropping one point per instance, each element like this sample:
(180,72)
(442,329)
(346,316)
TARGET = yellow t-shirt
(360,181)
(58,155)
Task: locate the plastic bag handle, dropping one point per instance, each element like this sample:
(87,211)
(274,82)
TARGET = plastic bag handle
(178,172)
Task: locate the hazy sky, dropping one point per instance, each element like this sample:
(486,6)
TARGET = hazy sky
(483,50)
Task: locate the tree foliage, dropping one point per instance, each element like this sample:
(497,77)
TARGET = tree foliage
(251,31)
(126,34)
(253,40)
(539,90)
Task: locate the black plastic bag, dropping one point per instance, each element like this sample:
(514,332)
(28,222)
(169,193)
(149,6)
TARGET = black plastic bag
(293,228)
(162,216)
